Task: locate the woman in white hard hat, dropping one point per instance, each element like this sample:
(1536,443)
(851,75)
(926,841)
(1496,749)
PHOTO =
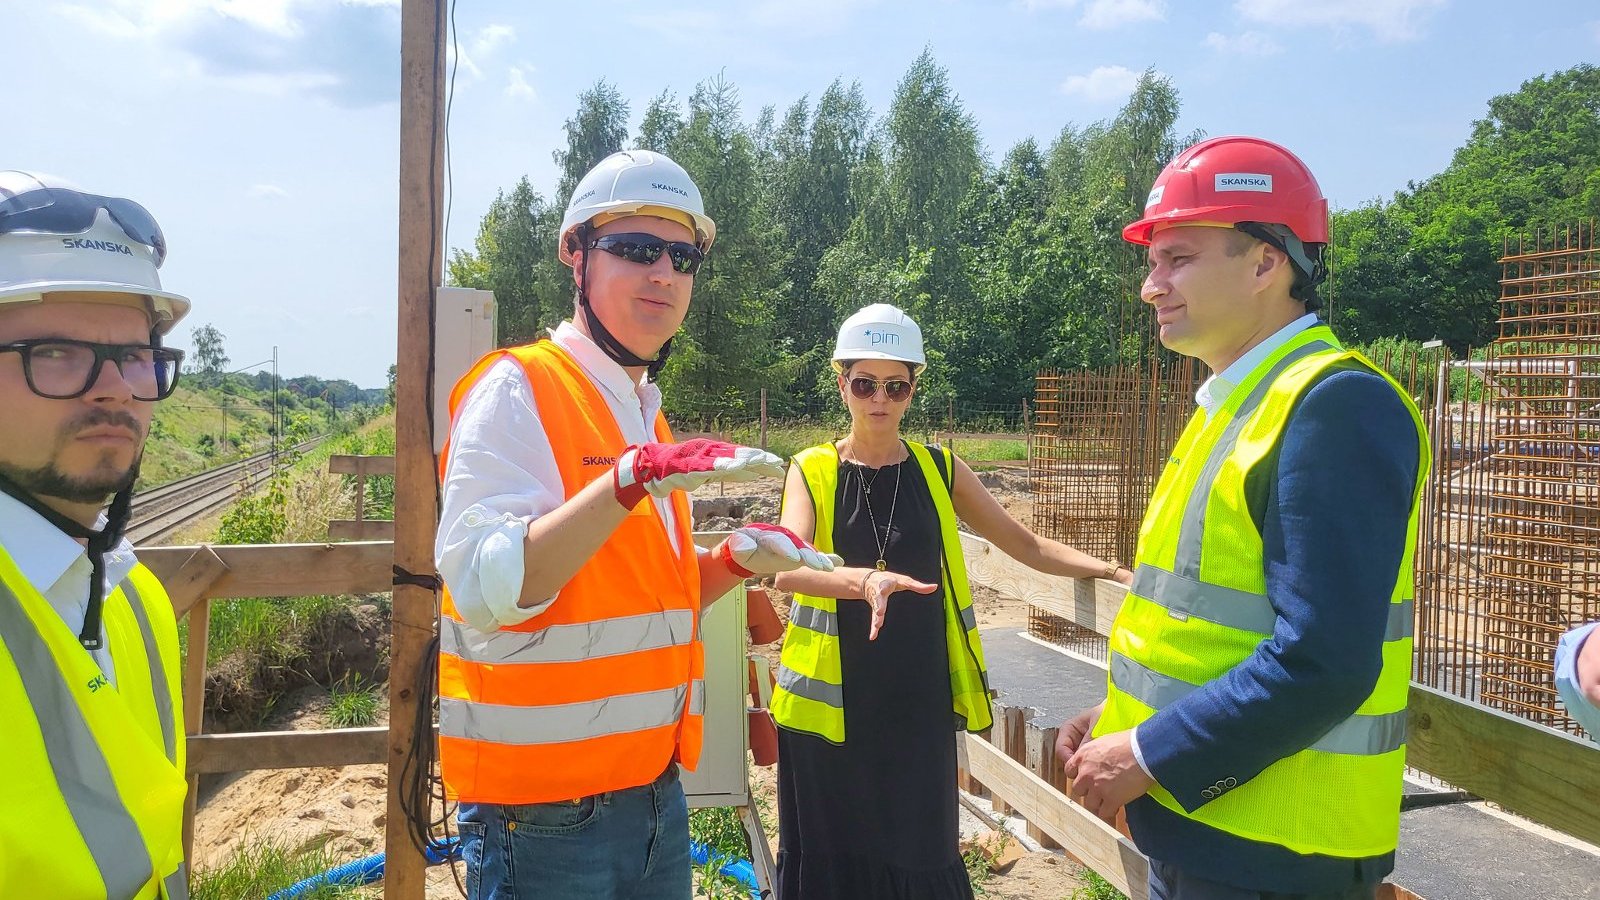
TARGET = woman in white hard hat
(867,766)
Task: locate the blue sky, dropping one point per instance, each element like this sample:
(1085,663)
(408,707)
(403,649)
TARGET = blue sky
(263,133)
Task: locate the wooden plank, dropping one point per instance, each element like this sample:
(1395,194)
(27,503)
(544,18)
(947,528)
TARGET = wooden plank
(194,704)
(360,530)
(1042,761)
(286,570)
(248,751)
(416,485)
(193,580)
(1083,835)
(1528,769)
(1090,602)
(344,464)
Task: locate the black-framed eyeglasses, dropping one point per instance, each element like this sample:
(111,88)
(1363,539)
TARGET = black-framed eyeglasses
(864,388)
(645,249)
(62,369)
(48,210)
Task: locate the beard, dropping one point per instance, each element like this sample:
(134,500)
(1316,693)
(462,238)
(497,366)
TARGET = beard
(105,479)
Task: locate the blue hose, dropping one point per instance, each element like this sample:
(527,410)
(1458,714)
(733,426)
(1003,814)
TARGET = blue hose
(363,871)
(369,870)
(738,869)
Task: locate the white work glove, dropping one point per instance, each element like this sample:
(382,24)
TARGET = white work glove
(660,469)
(762,549)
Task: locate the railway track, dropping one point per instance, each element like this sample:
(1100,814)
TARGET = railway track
(160,511)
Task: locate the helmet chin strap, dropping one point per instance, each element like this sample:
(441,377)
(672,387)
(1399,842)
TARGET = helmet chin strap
(100,543)
(608,343)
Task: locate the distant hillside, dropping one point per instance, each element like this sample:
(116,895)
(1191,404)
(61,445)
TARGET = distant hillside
(212,420)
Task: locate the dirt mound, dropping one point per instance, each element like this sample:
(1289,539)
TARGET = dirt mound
(349,642)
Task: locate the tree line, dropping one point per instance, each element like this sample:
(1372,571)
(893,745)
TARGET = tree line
(1009,266)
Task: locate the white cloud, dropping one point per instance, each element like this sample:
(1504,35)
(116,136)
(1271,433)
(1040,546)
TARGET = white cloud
(1104,84)
(1102,14)
(491,37)
(1388,20)
(1248,43)
(342,50)
(517,87)
(265,192)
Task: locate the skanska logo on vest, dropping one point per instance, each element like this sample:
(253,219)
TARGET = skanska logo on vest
(107,246)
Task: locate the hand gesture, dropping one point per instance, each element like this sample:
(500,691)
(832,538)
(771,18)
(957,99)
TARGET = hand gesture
(762,549)
(879,585)
(1075,731)
(660,469)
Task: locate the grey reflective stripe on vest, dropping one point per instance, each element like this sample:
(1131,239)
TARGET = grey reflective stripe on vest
(177,884)
(813,619)
(81,770)
(1184,597)
(568,643)
(1232,608)
(1191,529)
(810,688)
(969,619)
(1400,619)
(522,725)
(158,673)
(1357,735)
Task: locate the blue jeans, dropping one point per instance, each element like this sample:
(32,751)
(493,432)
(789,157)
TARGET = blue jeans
(630,844)
(1169,882)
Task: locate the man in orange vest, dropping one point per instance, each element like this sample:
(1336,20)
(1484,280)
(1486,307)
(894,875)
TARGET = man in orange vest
(570,667)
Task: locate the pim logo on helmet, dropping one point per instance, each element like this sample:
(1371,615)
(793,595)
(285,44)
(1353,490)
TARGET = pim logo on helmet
(668,187)
(874,338)
(107,246)
(1243,181)
(1155,195)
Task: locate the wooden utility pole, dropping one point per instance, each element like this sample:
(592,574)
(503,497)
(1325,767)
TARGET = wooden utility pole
(416,489)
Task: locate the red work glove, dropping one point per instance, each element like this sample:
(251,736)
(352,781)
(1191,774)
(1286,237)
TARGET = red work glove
(762,549)
(660,469)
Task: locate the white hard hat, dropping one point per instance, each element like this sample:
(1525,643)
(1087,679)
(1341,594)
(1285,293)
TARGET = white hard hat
(633,182)
(55,237)
(880,331)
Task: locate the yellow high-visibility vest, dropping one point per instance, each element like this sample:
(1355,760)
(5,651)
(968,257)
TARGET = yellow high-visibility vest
(1198,607)
(94,772)
(809,695)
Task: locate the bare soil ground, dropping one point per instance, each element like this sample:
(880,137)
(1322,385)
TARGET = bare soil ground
(344,807)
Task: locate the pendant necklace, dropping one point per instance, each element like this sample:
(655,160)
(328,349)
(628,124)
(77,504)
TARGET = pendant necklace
(866,495)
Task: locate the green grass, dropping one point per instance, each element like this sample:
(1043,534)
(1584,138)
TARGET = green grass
(256,870)
(352,704)
(186,435)
(1096,888)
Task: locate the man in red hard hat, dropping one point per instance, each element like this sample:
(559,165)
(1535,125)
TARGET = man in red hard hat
(1254,723)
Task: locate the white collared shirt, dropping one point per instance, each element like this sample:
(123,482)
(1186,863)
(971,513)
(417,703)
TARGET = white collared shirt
(1214,391)
(502,475)
(58,567)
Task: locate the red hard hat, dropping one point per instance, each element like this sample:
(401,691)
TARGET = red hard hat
(1232,180)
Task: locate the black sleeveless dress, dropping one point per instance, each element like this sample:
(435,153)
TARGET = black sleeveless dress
(875,818)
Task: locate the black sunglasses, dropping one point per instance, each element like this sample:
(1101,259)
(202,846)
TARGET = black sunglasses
(864,388)
(62,211)
(645,249)
(62,369)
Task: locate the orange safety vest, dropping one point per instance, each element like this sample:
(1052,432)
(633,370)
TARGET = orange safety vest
(605,688)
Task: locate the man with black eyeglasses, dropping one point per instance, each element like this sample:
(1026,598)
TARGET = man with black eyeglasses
(570,665)
(89,668)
